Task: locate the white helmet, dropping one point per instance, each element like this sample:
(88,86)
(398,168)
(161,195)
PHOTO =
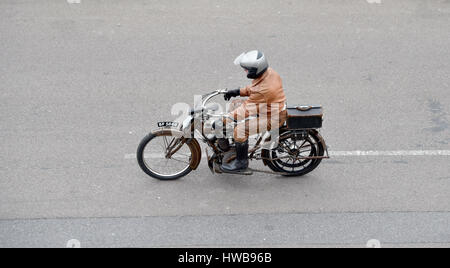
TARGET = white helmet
(254,62)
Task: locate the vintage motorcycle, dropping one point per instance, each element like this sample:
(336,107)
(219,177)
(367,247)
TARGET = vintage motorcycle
(173,150)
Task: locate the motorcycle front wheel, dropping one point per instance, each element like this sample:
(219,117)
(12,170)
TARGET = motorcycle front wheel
(165,156)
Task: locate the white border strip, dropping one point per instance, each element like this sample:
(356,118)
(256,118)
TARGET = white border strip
(352,153)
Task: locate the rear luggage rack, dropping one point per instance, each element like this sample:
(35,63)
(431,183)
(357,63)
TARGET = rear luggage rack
(304,117)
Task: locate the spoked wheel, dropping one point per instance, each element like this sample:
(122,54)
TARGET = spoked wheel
(165,156)
(296,153)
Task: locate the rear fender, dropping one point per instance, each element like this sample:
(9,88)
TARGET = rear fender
(316,133)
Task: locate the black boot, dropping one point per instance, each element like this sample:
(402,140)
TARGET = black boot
(240,164)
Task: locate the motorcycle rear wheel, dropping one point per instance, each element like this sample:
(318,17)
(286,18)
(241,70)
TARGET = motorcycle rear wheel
(303,146)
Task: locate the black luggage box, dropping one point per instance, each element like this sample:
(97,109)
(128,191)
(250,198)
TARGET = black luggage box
(304,117)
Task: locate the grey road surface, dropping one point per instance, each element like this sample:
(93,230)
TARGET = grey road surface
(81,84)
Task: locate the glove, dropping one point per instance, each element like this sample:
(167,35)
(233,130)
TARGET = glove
(232,93)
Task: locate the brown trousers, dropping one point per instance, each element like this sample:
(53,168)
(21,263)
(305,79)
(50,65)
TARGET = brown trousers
(257,125)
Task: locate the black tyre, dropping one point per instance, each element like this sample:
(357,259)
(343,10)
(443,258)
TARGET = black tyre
(309,145)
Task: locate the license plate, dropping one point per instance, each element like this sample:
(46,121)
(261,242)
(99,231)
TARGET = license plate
(168,124)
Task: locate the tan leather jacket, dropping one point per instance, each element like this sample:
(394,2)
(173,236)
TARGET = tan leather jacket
(264,92)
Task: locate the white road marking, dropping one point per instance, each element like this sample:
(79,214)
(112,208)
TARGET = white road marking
(351,153)
(133,156)
(391,153)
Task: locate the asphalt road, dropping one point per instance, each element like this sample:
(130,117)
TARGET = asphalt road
(81,84)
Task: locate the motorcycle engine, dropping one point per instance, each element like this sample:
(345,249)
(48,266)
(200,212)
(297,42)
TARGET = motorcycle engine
(223,144)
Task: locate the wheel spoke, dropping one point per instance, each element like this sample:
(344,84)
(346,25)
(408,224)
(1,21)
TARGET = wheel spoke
(170,166)
(166,144)
(178,160)
(296,153)
(179,154)
(303,143)
(305,146)
(170,144)
(163,149)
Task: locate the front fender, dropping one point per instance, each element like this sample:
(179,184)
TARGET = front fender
(196,153)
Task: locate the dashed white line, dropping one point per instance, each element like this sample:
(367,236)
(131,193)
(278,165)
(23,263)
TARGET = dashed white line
(392,153)
(133,156)
(352,153)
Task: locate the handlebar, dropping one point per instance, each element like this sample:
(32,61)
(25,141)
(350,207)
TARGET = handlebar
(207,97)
(213,94)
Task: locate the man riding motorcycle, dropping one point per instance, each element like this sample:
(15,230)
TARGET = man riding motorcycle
(265,104)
